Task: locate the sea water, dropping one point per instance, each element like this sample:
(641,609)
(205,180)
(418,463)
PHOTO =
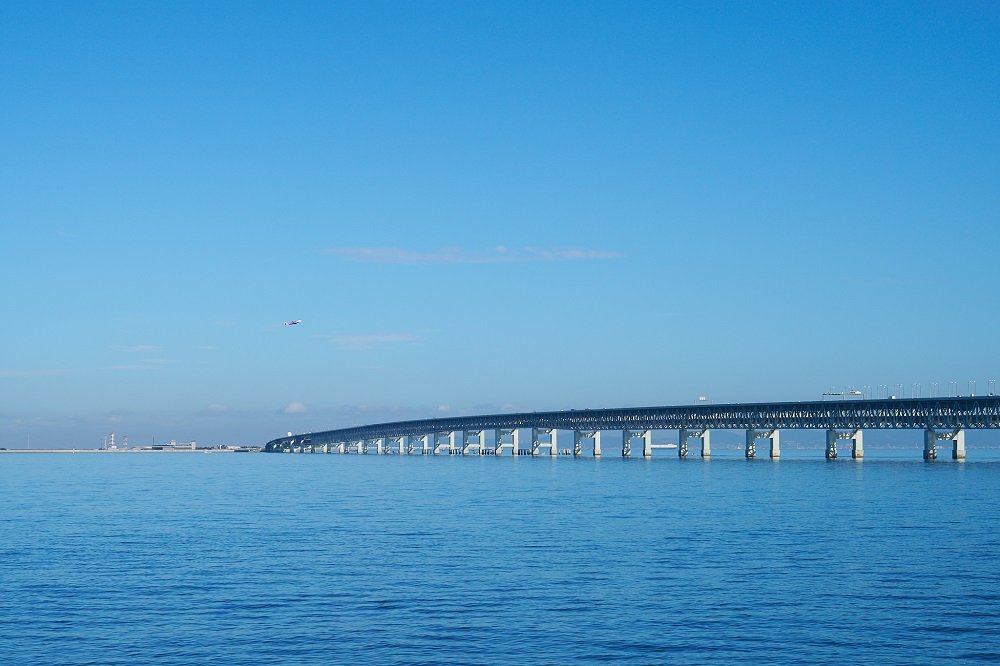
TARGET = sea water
(311,559)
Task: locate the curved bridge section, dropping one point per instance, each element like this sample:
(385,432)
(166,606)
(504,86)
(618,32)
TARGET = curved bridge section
(760,420)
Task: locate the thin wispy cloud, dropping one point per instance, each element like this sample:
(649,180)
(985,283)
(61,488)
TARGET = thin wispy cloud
(139,349)
(36,372)
(371,339)
(457,255)
(148,365)
(294,408)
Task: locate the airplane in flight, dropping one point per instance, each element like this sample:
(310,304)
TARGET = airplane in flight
(293,322)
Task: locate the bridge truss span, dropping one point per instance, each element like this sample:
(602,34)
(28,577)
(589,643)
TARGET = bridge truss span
(930,414)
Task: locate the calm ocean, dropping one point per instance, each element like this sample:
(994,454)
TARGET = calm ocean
(309,559)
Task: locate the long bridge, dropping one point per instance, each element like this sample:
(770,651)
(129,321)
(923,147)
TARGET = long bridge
(941,419)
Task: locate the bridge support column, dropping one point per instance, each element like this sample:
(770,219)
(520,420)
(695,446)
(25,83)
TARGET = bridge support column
(773,436)
(537,442)
(425,444)
(831,444)
(380,445)
(857,443)
(958,445)
(474,438)
(682,442)
(454,437)
(580,435)
(444,441)
(647,441)
(341,447)
(957,438)
(326,448)
(404,444)
(515,443)
(930,444)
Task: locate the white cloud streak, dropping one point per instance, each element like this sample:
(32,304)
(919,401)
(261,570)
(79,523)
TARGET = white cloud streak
(140,349)
(372,339)
(147,365)
(28,374)
(457,255)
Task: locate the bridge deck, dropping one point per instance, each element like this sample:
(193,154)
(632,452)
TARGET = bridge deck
(913,413)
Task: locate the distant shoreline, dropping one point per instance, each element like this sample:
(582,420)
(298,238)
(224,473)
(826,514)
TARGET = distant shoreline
(2,451)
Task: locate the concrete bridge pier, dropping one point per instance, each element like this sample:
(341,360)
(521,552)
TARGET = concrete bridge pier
(930,444)
(515,443)
(447,441)
(537,442)
(685,435)
(425,444)
(956,437)
(380,446)
(473,438)
(857,443)
(773,436)
(647,443)
(958,445)
(580,435)
(403,443)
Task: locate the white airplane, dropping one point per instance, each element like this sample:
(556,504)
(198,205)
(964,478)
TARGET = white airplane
(293,322)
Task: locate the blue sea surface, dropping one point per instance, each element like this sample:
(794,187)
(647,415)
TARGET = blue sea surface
(330,559)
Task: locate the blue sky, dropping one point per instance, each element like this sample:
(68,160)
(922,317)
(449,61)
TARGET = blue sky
(485,206)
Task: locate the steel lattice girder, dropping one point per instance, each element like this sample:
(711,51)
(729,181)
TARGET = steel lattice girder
(915,413)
